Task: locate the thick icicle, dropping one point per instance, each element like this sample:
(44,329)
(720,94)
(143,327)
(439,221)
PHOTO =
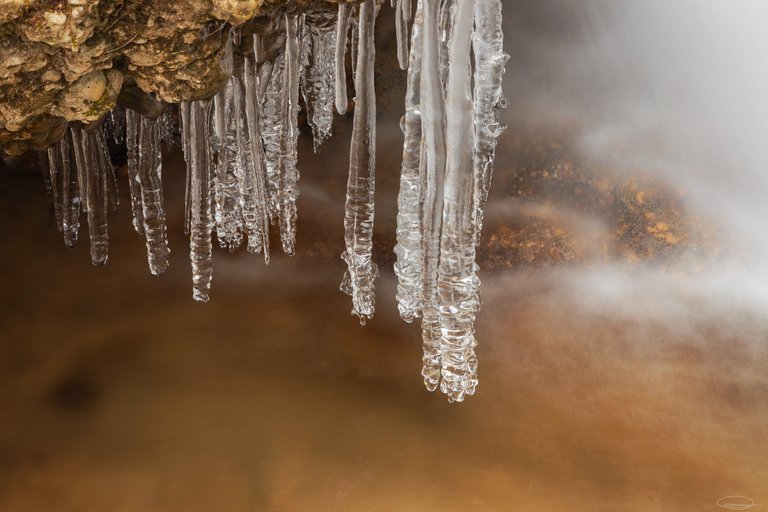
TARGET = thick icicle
(150,182)
(90,160)
(318,72)
(200,178)
(457,282)
(408,267)
(70,192)
(132,121)
(358,219)
(490,59)
(270,121)
(289,178)
(256,203)
(433,126)
(342,29)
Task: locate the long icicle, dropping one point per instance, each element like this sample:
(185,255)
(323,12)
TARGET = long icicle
(358,219)
(70,192)
(93,170)
(153,207)
(342,29)
(132,122)
(490,59)
(55,177)
(318,72)
(408,267)
(457,282)
(252,86)
(433,126)
(289,190)
(201,222)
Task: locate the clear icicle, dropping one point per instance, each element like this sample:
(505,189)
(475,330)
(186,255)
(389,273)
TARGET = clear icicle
(200,185)
(289,190)
(117,120)
(401,28)
(342,29)
(56,185)
(150,181)
(353,44)
(433,126)
(132,121)
(270,121)
(408,267)
(358,219)
(185,120)
(70,192)
(111,179)
(258,226)
(90,160)
(169,130)
(226,185)
(490,59)
(457,282)
(318,85)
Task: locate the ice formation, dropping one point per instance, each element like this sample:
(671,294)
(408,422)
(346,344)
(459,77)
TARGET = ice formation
(240,149)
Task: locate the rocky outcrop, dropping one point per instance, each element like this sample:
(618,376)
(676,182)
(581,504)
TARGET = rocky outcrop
(66,60)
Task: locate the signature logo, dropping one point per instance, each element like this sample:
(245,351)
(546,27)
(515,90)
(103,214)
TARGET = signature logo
(736,503)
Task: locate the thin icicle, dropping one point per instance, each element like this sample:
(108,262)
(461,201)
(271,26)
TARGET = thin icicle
(401,28)
(200,178)
(109,174)
(408,267)
(353,44)
(117,120)
(457,283)
(289,190)
(70,192)
(318,70)
(433,126)
(342,29)
(490,59)
(89,156)
(359,210)
(185,119)
(55,185)
(132,121)
(150,182)
(258,229)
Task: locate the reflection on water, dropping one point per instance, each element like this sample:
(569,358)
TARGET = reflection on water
(603,387)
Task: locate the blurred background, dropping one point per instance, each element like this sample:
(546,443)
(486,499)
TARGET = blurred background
(623,339)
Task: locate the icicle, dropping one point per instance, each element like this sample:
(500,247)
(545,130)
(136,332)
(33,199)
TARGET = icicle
(150,181)
(433,126)
(258,225)
(401,27)
(169,130)
(408,267)
(359,210)
(318,71)
(90,160)
(55,185)
(70,192)
(353,44)
(457,282)
(226,184)
(489,56)
(196,136)
(342,29)
(132,146)
(271,123)
(228,212)
(109,174)
(289,191)
(185,118)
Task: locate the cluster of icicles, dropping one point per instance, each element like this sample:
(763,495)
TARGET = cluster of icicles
(242,177)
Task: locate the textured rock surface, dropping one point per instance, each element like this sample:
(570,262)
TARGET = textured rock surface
(66,60)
